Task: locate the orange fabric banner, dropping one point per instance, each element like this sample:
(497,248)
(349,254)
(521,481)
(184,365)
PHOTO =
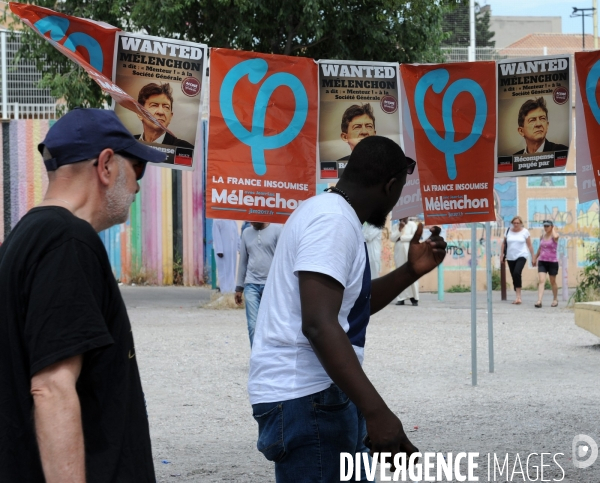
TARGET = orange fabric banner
(453,110)
(262,136)
(88,43)
(587,65)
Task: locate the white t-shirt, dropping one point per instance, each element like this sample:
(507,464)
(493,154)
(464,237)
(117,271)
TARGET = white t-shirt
(517,244)
(323,235)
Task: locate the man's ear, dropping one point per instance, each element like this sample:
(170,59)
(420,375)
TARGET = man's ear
(520,130)
(106,166)
(344,136)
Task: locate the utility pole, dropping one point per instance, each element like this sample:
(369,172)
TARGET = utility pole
(580,12)
(472,30)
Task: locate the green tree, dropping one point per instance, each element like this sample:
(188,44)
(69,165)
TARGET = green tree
(383,30)
(456,26)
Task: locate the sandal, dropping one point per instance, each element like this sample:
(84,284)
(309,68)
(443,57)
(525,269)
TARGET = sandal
(538,305)
(554,304)
(517,302)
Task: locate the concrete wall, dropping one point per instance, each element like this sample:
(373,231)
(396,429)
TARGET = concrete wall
(509,29)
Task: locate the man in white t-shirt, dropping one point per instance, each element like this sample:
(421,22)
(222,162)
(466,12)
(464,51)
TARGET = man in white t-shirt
(309,394)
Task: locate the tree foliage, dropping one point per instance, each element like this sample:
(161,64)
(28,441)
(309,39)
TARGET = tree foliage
(382,30)
(457,25)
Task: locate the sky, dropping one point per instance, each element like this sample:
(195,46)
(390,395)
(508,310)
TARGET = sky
(552,8)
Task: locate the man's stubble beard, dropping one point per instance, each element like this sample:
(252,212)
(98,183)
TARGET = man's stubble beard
(118,198)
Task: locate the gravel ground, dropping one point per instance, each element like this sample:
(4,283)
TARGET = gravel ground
(545,389)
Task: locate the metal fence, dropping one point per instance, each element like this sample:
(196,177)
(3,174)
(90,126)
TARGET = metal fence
(461,54)
(21,96)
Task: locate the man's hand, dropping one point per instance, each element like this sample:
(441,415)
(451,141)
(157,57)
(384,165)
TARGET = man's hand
(220,255)
(424,257)
(386,435)
(238,298)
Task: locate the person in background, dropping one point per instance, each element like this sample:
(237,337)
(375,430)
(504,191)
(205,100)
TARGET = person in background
(547,262)
(257,249)
(225,244)
(372,236)
(401,235)
(518,247)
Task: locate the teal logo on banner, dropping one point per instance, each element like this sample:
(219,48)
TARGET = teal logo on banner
(590,90)
(437,80)
(58,26)
(256,69)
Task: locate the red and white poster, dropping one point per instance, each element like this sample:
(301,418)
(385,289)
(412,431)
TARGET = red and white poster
(410,202)
(587,112)
(88,43)
(262,138)
(453,111)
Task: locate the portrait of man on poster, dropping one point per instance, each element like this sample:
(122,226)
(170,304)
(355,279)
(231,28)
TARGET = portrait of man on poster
(358,122)
(158,99)
(533,128)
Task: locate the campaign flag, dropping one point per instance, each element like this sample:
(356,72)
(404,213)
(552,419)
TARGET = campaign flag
(356,100)
(534,115)
(167,77)
(262,138)
(453,110)
(86,42)
(587,111)
(410,202)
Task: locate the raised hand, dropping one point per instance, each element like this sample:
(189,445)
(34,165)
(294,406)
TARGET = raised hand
(424,257)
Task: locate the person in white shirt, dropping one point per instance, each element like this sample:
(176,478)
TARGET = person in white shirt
(309,394)
(372,236)
(225,244)
(402,234)
(518,247)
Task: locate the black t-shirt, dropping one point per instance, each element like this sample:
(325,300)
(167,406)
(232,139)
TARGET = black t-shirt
(59,298)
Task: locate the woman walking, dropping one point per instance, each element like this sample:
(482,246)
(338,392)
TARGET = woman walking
(547,262)
(518,244)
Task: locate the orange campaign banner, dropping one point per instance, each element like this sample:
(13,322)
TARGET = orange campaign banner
(262,140)
(587,65)
(88,43)
(453,110)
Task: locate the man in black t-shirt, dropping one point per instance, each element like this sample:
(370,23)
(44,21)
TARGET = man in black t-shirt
(71,402)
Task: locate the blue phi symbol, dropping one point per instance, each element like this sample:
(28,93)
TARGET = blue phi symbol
(438,79)
(256,69)
(58,26)
(590,90)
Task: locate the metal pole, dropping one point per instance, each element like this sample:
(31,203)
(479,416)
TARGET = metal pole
(440,271)
(583,29)
(213,269)
(488,264)
(503,281)
(472,30)
(473,304)
(4,76)
(565,277)
(595,15)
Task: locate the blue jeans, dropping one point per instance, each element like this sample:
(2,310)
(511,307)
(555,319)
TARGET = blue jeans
(253,294)
(305,436)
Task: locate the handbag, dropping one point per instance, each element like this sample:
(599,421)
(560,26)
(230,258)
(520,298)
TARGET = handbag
(506,243)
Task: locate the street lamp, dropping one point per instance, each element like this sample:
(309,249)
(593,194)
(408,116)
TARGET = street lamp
(582,15)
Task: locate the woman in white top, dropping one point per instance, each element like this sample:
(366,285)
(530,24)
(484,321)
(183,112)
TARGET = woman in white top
(518,247)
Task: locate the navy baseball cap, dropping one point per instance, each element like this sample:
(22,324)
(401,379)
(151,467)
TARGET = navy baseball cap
(82,134)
